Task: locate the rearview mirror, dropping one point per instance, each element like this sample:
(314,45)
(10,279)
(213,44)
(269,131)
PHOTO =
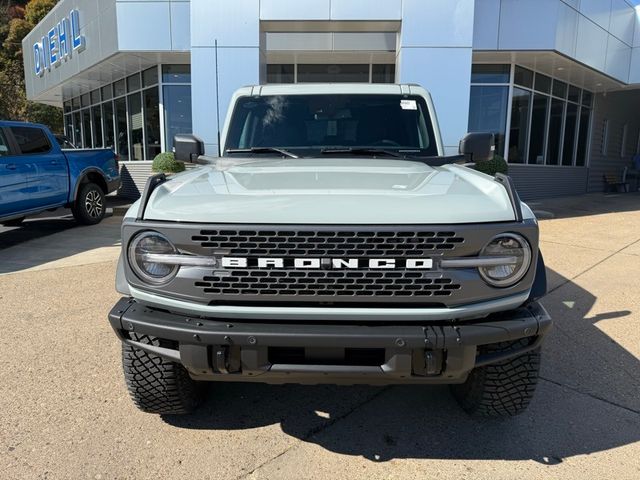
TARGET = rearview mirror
(479,147)
(187,147)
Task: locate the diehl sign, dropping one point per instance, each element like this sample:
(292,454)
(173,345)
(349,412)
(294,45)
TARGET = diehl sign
(58,44)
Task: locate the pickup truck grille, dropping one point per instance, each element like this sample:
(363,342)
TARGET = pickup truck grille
(314,243)
(328,284)
(347,285)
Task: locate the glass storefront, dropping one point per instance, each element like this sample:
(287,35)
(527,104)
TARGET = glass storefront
(548,120)
(130,116)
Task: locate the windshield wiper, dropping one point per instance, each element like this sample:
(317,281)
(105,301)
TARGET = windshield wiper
(362,151)
(281,151)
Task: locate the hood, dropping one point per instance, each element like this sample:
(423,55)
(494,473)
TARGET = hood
(345,191)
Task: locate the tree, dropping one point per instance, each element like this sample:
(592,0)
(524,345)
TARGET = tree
(16,21)
(37,9)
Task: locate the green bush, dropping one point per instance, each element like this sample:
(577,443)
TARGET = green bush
(166,163)
(496,165)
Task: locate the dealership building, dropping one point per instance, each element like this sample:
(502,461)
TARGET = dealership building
(557,81)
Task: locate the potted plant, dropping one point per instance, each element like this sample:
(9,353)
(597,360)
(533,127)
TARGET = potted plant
(496,165)
(166,163)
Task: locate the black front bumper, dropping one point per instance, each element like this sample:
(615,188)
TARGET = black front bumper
(215,349)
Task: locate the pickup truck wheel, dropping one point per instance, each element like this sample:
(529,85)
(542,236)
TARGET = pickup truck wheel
(16,222)
(89,207)
(502,389)
(157,385)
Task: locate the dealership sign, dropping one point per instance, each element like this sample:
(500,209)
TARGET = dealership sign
(61,41)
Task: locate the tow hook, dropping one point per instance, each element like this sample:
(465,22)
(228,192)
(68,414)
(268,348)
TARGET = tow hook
(221,359)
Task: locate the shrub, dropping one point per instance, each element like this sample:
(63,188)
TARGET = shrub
(496,165)
(166,163)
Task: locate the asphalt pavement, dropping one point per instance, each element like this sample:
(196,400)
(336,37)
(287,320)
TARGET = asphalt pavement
(65,412)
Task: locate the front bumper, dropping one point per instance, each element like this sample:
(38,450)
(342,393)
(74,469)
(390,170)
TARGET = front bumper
(272,352)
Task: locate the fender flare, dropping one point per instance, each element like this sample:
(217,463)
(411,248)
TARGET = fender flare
(539,287)
(81,176)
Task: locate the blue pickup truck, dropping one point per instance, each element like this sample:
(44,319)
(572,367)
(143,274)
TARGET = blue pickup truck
(36,174)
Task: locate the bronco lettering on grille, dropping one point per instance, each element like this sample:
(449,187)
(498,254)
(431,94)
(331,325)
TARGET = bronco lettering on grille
(327,263)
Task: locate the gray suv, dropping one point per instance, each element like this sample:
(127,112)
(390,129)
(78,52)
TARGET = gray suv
(331,242)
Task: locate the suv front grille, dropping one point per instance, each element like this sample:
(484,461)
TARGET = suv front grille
(314,243)
(316,283)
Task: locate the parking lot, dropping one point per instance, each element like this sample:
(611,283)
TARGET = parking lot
(65,412)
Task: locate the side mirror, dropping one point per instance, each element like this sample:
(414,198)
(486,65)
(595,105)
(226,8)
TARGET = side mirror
(187,147)
(478,147)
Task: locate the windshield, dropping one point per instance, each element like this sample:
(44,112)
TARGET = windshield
(319,122)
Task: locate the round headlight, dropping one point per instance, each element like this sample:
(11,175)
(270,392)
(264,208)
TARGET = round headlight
(517,254)
(144,245)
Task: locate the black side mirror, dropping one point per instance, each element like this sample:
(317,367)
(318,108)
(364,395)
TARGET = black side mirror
(187,147)
(478,147)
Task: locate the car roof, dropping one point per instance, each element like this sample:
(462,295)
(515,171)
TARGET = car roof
(15,123)
(331,88)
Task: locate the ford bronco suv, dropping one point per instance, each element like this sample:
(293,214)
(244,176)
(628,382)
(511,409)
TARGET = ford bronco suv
(331,242)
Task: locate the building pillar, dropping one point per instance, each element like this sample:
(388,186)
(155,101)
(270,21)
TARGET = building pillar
(235,26)
(435,51)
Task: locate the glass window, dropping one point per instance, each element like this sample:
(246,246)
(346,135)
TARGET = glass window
(484,73)
(67,106)
(75,103)
(177,112)
(176,73)
(122,138)
(119,88)
(95,97)
(554,143)
(150,77)
(86,129)
(312,122)
(583,137)
(383,73)
(569,134)
(107,93)
(333,73)
(523,77)
(85,100)
(133,82)
(31,140)
(77,128)
(68,127)
(488,112)
(543,83)
(109,132)
(587,98)
(519,125)
(96,116)
(559,89)
(538,129)
(151,103)
(4,145)
(280,73)
(136,136)
(574,94)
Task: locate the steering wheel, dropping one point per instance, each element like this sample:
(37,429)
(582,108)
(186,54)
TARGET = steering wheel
(386,142)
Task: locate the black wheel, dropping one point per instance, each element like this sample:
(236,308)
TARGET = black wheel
(502,389)
(16,222)
(89,208)
(157,385)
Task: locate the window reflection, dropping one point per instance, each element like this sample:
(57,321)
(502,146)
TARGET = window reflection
(519,125)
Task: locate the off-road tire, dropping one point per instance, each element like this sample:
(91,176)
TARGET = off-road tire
(16,222)
(89,207)
(502,389)
(157,385)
